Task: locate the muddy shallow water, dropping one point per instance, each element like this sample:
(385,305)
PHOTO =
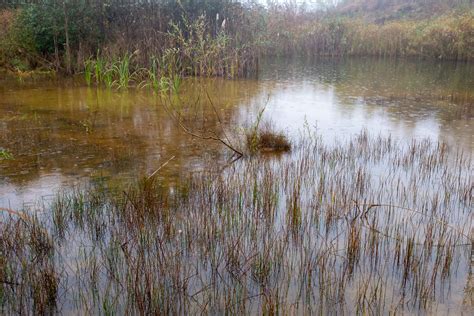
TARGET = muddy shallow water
(371,212)
(61,132)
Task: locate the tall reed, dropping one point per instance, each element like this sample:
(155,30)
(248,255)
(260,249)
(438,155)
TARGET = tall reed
(357,224)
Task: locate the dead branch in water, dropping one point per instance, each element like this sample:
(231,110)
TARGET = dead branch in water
(209,136)
(159,168)
(21,215)
(370,206)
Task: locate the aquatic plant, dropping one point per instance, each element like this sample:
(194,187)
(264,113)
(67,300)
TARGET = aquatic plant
(357,224)
(88,71)
(99,69)
(264,138)
(160,79)
(267,139)
(152,77)
(108,77)
(5,154)
(176,84)
(121,67)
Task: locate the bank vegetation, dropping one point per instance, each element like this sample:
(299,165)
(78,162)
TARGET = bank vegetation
(222,38)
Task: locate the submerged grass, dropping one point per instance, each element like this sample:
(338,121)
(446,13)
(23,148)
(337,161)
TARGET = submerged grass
(5,154)
(369,224)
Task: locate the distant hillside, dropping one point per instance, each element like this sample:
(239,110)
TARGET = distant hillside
(386,10)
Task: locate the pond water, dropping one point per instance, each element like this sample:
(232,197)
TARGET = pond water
(347,221)
(61,132)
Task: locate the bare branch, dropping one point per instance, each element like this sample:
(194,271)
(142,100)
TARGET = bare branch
(177,118)
(159,168)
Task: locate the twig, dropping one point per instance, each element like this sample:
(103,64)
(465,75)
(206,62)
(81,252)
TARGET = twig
(217,115)
(205,137)
(370,206)
(159,168)
(23,216)
(8,282)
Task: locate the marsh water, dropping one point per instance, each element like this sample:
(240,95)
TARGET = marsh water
(61,132)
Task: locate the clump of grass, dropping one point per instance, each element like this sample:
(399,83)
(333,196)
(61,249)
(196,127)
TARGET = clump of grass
(152,76)
(119,72)
(122,70)
(45,290)
(99,69)
(88,71)
(267,140)
(5,154)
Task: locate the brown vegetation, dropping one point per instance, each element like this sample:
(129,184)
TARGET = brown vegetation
(222,38)
(359,224)
(267,140)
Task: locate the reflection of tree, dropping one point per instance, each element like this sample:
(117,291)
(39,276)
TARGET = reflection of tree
(50,127)
(77,131)
(63,144)
(407,91)
(390,79)
(415,90)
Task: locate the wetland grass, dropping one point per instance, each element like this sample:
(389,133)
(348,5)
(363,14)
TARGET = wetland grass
(264,138)
(114,73)
(227,38)
(366,225)
(6,155)
(267,140)
(118,74)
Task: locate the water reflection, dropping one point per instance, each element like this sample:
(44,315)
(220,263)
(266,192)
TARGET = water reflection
(62,132)
(404,98)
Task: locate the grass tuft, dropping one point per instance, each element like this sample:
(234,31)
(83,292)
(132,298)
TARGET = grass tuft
(267,140)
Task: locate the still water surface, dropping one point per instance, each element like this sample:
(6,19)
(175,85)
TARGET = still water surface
(62,132)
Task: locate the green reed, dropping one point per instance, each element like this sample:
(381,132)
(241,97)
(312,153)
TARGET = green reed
(5,154)
(121,68)
(99,69)
(88,71)
(317,231)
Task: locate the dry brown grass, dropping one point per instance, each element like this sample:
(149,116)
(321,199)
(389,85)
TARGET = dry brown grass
(267,139)
(326,229)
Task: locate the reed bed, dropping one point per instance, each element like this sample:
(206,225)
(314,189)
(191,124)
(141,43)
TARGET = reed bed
(191,51)
(441,37)
(222,37)
(368,225)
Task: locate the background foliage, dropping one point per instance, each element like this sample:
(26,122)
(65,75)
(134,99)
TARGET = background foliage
(226,37)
